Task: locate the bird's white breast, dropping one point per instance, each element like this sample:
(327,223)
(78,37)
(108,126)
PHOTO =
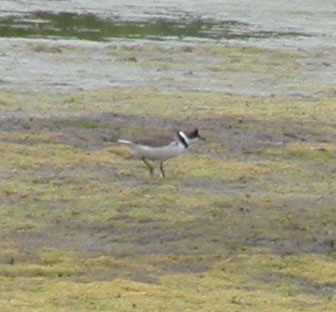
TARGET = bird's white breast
(159,153)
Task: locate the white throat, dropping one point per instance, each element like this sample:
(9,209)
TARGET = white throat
(186,139)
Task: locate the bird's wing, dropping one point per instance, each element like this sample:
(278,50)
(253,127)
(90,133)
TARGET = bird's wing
(156,139)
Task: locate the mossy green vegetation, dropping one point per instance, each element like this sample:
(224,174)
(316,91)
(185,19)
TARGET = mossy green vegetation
(243,222)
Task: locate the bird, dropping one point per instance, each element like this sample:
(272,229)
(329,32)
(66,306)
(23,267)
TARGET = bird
(161,147)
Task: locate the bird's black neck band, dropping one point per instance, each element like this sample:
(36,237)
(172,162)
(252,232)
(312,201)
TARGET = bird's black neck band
(182,140)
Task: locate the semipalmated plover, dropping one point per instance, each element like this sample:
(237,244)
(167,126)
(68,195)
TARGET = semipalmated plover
(161,148)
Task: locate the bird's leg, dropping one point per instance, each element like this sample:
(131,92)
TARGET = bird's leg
(150,168)
(162,171)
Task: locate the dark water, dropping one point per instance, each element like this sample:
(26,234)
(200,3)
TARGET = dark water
(90,27)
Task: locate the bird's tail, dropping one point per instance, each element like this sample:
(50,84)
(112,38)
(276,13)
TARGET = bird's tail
(126,142)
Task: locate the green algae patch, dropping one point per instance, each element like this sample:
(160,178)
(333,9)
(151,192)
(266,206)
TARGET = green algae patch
(251,280)
(201,105)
